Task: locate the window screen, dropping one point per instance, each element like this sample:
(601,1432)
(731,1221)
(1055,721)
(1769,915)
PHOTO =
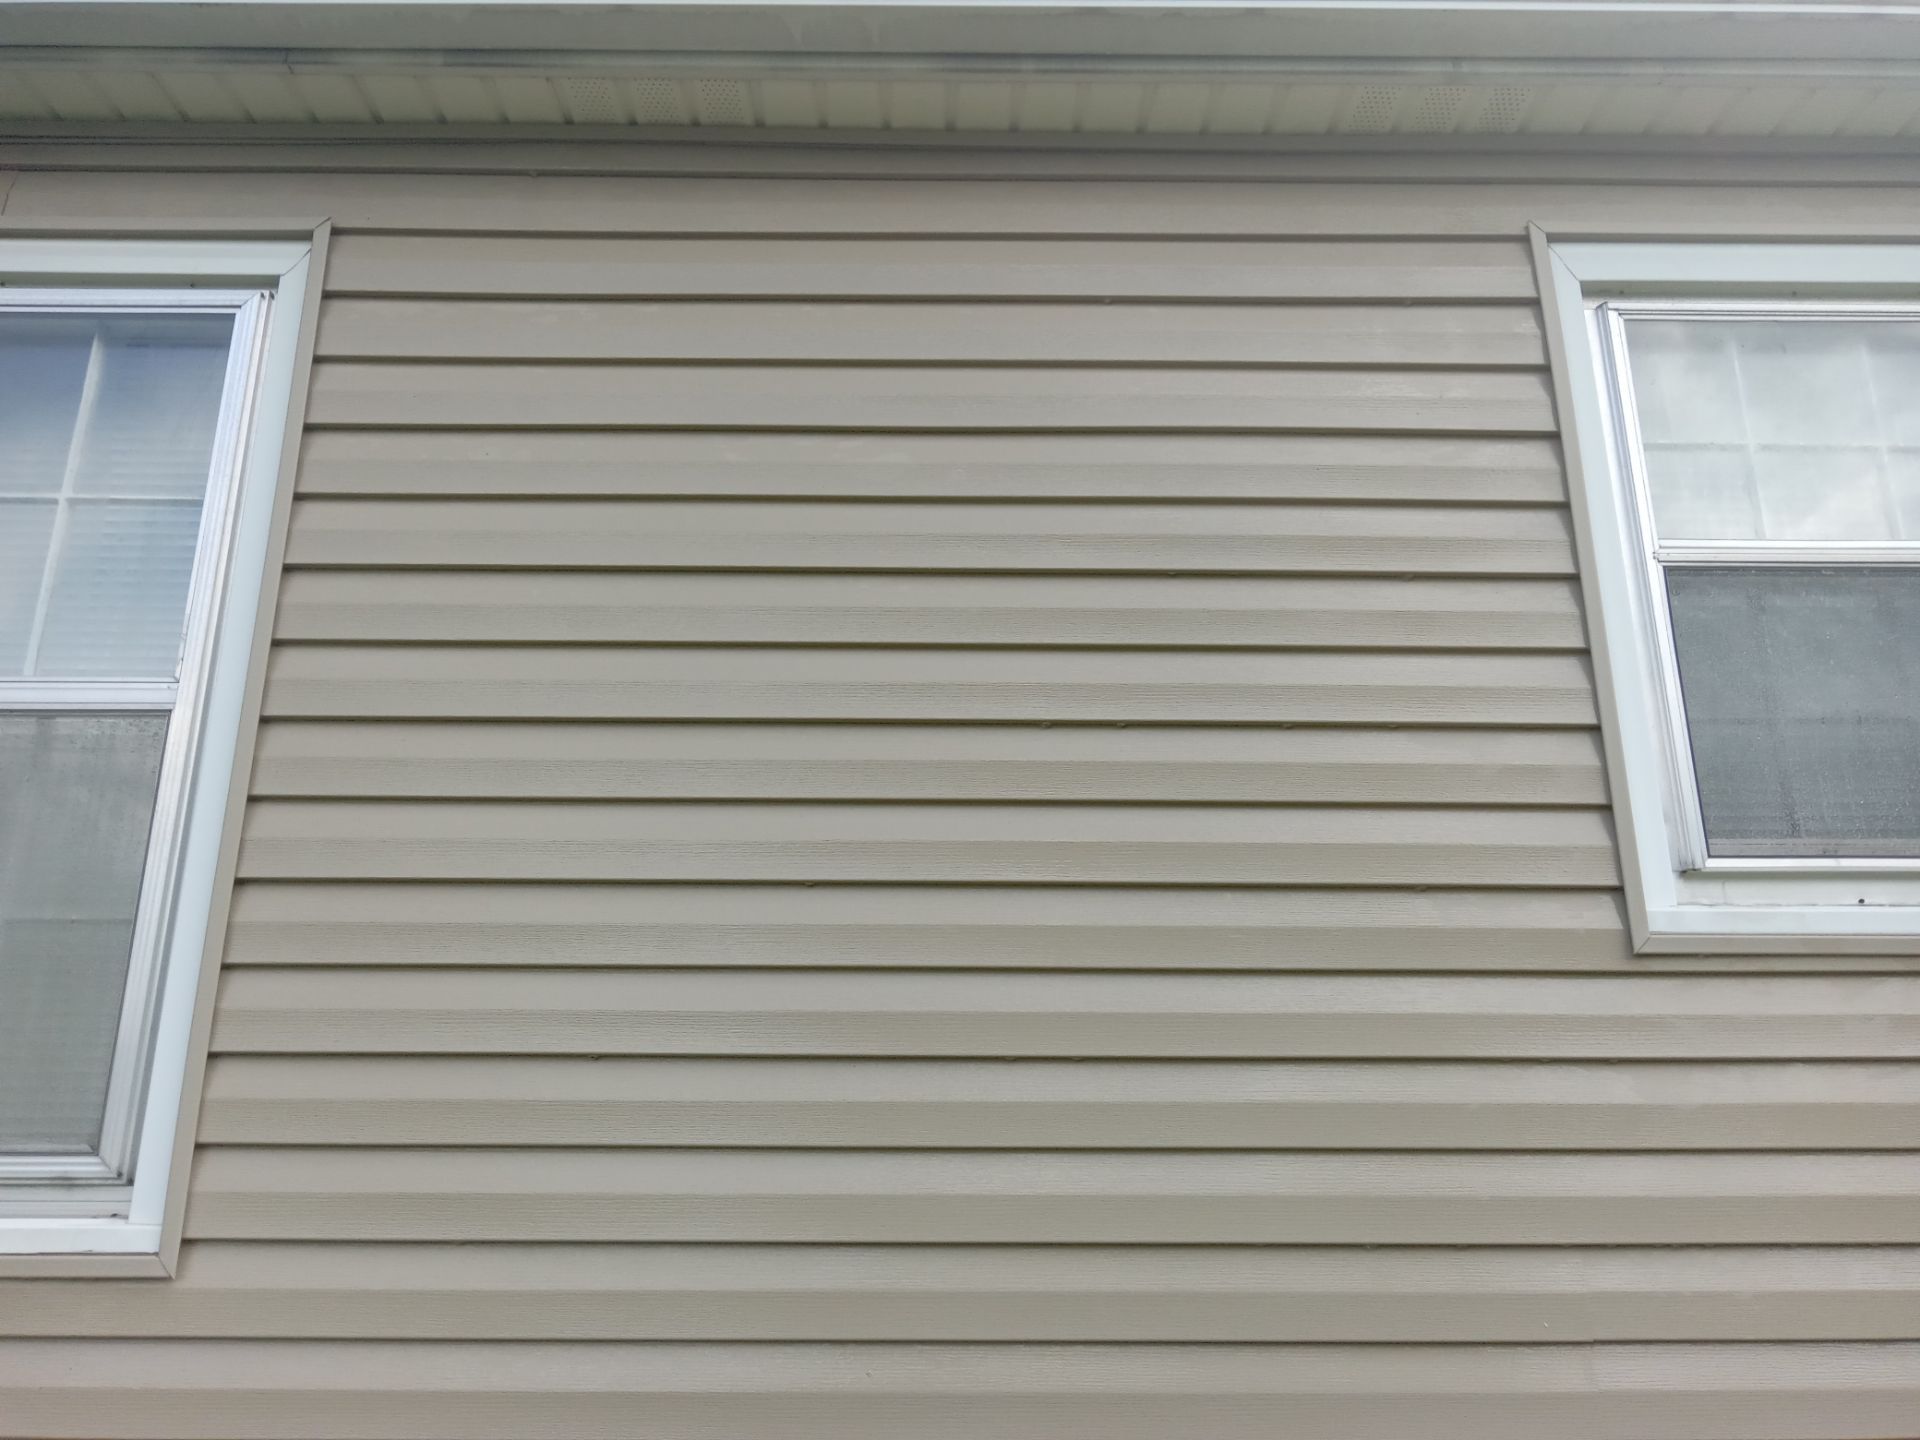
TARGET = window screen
(108,424)
(79,793)
(1781,463)
(1800,685)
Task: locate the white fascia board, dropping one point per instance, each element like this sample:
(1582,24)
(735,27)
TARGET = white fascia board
(753,31)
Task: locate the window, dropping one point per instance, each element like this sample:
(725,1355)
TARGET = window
(1745,460)
(139,452)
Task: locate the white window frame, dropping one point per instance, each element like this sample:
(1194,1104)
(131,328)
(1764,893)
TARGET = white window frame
(1680,900)
(118,1202)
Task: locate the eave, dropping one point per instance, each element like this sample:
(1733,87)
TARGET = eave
(1803,72)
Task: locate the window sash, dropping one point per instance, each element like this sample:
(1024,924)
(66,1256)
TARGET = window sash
(1655,557)
(43,1184)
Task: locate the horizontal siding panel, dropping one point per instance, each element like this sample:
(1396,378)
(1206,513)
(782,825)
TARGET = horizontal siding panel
(1033,398)
(550,267)
(690,535)
(191,1390)
(478,760)
(1058,1105)
(920,928)
(1192,469)
(841,190)
(969,844)
(976,610)
(401,1011)
(1078,1293)
(1179,1198)
(904,333)
(741,683)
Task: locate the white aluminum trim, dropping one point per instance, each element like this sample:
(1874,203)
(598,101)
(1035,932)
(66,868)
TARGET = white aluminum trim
(1783,930)
(1789,552)
(147,952)
(177,887)
(38,298)
(1681,901)
(77,1236)
(1686,830)
(182,261)
(1685,815)
(1859,269)
(159,881)
(1799,864)
(87,694)
(54,1169)
(271,430)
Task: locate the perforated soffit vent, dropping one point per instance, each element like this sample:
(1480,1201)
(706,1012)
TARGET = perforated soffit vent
(1857,104)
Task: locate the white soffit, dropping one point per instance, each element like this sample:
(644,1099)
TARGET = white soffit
(1190,103)
(1126,67)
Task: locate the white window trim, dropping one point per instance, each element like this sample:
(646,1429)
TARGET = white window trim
(182,701)
(1678,902)
(126,1210)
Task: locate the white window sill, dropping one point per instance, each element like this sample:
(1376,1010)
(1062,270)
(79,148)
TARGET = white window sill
(1779,930)
(80,1249)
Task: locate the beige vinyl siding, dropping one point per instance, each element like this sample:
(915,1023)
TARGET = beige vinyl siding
(308,1290)
(854,267)
(975,1196)
(936,763)
(492,1391)
(307,1010)
(895,332)
(900,801)
(996,929)
(839,685)
(932,538)
(304,1291)
(967,610)
(1190,469)
(924,843)
(862,399)
(1071,1104)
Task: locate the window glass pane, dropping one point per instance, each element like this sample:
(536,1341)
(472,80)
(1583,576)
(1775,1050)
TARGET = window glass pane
(1903,471)
(1802,693)
(150,428)
(120,590)
(1702,490)
(76,803)
(43,366)
(1685,385)
(25,528)
(1896,383)
(1850,503)
(110,431)
(1818,417)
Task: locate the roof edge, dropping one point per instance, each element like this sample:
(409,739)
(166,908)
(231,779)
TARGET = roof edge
(753,31)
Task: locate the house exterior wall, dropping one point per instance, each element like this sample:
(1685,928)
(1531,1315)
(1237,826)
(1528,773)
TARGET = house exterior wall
(919,792)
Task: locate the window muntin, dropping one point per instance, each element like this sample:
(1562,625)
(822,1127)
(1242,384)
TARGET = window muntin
(1774,458)
(121,414)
